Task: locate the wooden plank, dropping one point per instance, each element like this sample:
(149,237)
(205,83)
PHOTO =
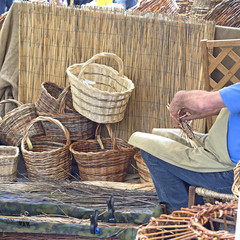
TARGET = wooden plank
(205,64)
(223,43)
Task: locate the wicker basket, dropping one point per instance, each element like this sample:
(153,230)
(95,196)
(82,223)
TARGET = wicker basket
(106,163)
(50,97)
(14,123)
(78,126)
(143,170)
(100,93)
(47,160)
(8,163)
(190,223)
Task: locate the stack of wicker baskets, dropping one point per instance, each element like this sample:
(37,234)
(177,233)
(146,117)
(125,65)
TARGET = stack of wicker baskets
(101,94)
(56,102)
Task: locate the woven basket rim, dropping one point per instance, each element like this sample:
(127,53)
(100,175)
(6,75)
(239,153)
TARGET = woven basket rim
(131,148)
(138,158)
(16,150)
(129,90)
(46,91)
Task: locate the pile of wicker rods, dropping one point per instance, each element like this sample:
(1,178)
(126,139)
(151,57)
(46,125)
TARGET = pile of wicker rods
(189,223)
(226,13)
(165,6)
(83,194)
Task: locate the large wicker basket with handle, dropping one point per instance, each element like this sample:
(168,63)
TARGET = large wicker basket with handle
(102,159)
(46,160)
(100,93)
(14,123)
(78,126)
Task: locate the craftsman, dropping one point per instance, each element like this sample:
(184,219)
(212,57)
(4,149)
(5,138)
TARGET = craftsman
(172,161)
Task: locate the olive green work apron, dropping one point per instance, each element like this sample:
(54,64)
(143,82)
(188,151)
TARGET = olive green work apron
(170,146)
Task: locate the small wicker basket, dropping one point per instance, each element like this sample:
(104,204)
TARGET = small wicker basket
(8,163)
(143,170)
(14,123)
(49,99)
(47,160)
(78,126)
(106,163)
(100,93)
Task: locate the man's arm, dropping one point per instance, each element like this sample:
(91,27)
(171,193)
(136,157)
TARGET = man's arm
(195,104)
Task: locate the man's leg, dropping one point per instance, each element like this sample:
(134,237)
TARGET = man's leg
(172,182)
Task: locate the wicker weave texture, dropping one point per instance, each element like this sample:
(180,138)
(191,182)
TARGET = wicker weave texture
(100,93)
(8,163)
(108,164)
(47,160)
(14,123)
(56,102)
(50,96)
(143,170)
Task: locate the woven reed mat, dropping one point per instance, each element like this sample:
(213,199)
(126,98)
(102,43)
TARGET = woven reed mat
(139,198)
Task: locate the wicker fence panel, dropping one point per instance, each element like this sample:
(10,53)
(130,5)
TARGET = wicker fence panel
(161,55)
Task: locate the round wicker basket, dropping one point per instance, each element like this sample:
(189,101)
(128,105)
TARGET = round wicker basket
(47,160)
(106,163)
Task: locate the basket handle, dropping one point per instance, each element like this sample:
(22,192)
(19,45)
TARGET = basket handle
(55,121)
(110,132)
(12,101)
(62,99)
(99,55)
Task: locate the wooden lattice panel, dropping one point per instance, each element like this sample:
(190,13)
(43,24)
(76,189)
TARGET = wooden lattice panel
(217,55)
(211,62)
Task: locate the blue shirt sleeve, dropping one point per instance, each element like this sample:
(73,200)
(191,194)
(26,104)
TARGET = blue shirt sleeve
(231,97)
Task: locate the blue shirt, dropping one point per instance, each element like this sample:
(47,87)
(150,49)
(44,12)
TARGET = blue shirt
(231,98)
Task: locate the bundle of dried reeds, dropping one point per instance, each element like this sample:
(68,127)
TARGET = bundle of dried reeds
(160,55)
(129,198)
(156,6)
(226,13)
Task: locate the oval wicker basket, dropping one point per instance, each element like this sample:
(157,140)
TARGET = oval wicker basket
(143,170)
(47,160)
(14,123)
(8,163)
(100,93)
(96,163)
(78,126)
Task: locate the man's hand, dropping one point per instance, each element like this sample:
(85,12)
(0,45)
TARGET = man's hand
(194,104)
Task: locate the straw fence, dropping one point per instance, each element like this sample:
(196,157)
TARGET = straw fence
(161,55)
